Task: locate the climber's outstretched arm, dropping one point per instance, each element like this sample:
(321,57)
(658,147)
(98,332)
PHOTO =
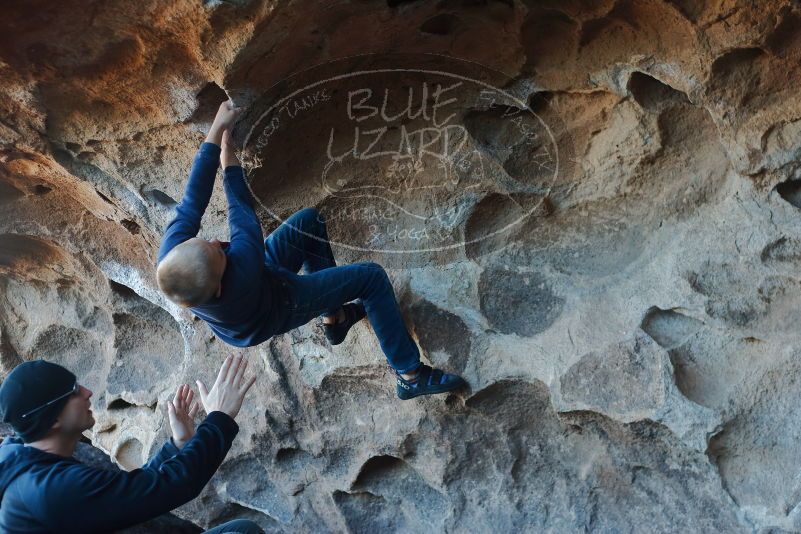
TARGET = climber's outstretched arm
(247,240)
(189,211)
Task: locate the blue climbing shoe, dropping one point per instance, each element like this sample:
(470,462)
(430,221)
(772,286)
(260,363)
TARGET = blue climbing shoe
(427,381)
(335,333)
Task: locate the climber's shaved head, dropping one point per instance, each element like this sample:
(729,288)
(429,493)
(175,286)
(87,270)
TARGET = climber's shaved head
(190,274)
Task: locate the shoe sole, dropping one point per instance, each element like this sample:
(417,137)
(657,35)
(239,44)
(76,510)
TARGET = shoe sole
(403,394)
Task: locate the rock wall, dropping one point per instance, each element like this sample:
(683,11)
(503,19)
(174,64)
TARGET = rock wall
(618,282)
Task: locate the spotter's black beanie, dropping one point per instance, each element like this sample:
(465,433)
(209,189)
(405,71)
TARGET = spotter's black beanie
(30,385)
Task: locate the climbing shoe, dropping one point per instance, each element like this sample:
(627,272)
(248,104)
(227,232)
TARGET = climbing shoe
(427,381)
(335,333)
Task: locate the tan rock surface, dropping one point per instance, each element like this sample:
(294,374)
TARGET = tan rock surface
(614,270)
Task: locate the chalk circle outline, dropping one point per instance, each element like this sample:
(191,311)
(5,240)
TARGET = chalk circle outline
(523,106)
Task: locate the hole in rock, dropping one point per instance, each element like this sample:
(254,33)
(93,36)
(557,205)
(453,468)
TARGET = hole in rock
(705,376)
(538,102)
(208,101)
(669,328)
(738,60)
(104,197)
(291,455)
(512,402)
(286,453)
(649,92)
(783,249)
(40,189)
(441,331)
(122,290)
(74,348)
(160,197)
(523,156)
(131,226)
(129,455)
(402,488)
(119,404)
(441,24)
(791,192)
(686,377)
(484,231)
(498,218)
(248,482)
(786,35)
(518,303)
(453,401)
(738,73)
(378,467)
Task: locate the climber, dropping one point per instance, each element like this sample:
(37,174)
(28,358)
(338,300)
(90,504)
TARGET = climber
(44,489)
(249,290)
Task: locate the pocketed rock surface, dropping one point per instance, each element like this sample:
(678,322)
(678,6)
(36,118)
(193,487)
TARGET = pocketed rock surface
(631,343)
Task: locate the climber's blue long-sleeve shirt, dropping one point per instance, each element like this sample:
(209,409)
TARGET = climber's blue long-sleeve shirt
(244,314)
(42,492)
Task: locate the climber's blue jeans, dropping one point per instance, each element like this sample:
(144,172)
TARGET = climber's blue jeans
(302,241)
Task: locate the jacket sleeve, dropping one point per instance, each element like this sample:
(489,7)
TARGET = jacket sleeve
(247,240)
(188,213)
(79,498)
(167,451)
